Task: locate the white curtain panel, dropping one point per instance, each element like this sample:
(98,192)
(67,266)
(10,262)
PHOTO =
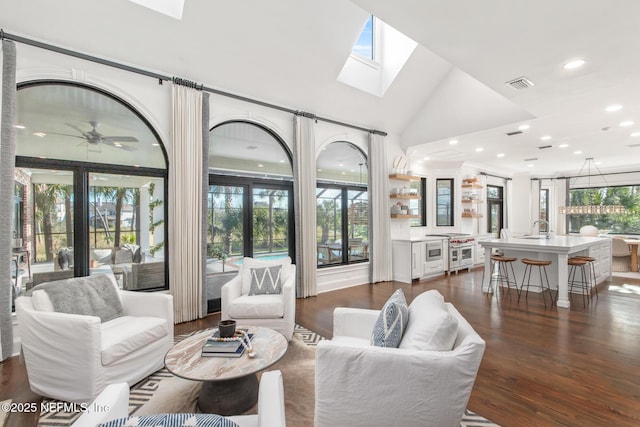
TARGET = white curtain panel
(380,222)
(185,204)
(304,195)
(7,164)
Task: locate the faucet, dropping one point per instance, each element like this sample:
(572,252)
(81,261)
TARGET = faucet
(542,221)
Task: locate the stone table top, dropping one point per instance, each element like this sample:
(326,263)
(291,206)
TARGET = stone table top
(185,360)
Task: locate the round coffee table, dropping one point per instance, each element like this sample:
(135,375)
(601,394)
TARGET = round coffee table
(230,384)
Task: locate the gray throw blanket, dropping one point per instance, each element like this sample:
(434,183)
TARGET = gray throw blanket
(90,296)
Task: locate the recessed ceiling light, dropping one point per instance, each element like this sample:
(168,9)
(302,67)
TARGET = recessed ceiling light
(155,144)
(500,155)
(341,164)
(577,152)
(344,173)
(530,165)
(419,162)
(282,161)
(626,123)
(563,145)
(524,127)
(546,137)
(613,108)
(598,162)
(136,166)
(20,127)
(634,134)
(117,144)
(453,141)
(319,170)
(479,149)
(572,65)
(352,170)
(260,165)
(40,134)
(425,158)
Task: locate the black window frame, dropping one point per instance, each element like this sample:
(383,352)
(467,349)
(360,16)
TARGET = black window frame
(491,201)
(344,212)
(451,216)
(422,205)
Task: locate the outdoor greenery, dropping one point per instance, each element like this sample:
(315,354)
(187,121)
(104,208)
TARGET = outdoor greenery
(627,196)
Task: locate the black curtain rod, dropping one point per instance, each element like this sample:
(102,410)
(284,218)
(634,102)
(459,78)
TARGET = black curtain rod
(496,176)
(184,82)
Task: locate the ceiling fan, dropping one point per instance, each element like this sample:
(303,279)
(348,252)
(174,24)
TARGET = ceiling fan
(94,137)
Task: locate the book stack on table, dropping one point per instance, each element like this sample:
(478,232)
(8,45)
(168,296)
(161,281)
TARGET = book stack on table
(214,348)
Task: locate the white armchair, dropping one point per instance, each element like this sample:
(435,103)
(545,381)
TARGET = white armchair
(276,311)
(358,384)
(116,399)
(73,357)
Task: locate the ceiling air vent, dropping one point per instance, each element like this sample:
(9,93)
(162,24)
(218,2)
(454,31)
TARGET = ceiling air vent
(633,145)
(520,83)
(542,147)
(531,159)
(515,132)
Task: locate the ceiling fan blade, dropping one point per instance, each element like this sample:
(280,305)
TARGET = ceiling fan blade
(120,146)
(65,134)
(120,138)
(77,129)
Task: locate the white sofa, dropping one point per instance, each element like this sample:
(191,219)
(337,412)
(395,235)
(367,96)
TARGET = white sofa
(73,357)
(277,311)
(358,384)
(270,405)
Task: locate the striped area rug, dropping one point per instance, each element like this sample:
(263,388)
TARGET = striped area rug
(157,394)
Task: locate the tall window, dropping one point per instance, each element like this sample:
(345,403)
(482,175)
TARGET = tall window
(628,196)
(94,178)
(419,205)
(342,205)
(544,209)
(495,209)
(444,202)
(250,201)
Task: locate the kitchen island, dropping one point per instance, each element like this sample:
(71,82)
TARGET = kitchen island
(557,249)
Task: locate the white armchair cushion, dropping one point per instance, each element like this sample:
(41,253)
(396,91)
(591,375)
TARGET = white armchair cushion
(388,330)
(249,263)
(266,281)
(431,326)
(257,306)
(126,334)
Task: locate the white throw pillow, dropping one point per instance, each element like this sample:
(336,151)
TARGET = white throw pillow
(431,326)
(41,301)
(249,263)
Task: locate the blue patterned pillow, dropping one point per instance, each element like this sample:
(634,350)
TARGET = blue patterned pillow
(391,322)
(266,281)
(171,420)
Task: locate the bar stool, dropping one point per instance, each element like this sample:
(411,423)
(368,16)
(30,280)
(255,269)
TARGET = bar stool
(594,283)
(542,266)
(585,283)
(504,277)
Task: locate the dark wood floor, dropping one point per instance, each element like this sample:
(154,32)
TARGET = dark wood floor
(541,367)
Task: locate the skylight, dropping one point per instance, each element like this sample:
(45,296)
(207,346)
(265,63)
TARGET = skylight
(376,58)
(172,8)
(365,44)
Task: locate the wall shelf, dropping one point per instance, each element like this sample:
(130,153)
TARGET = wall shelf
(405,196)
(471,215)
(471,201)
(472,185)
(401,216)
(404,177)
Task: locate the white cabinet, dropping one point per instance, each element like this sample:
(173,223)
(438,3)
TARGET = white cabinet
(602,253)
(410,260)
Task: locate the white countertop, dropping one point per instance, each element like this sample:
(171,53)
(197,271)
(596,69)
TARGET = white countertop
(421,239)
(553,244)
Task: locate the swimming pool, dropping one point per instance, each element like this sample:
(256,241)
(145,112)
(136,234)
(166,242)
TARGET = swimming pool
(265,257)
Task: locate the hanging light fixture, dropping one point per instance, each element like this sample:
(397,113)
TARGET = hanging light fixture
(592,209)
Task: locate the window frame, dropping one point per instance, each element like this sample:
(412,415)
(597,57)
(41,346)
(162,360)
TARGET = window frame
(81,182)
(344,189)
(491,201)
(451,215)
(422,205)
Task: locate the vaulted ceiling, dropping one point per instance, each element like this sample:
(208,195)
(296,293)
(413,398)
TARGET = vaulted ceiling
(290,52)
